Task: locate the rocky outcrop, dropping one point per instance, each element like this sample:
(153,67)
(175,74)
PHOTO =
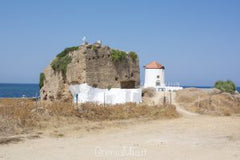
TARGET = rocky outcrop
(93,64)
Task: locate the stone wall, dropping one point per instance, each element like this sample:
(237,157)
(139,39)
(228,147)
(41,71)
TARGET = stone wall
(102,72)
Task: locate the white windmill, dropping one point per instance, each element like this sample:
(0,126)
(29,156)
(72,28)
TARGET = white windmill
(154,75)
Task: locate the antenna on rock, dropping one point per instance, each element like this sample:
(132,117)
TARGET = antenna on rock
(84,40)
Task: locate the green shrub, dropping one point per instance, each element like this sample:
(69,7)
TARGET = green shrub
(66,51)
(225,86)
(41,81)
(94,48)
(109,87)
(117,55)
(59,64)
(133,55)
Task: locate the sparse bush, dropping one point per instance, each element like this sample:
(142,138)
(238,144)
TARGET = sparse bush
(94,48)
(42,78)
(66,51)
(225,86)
(133,55)
(109,87)
(59,64)
(148,92)
(117,55)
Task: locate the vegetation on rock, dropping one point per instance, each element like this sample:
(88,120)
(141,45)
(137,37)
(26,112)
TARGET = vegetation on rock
(133,55)
(225,86)
(94,48)
(86,64)
(66,51)
(109,87)
(117,55)
(59,64)
(41,81)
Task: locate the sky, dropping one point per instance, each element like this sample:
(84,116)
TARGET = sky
(198,42)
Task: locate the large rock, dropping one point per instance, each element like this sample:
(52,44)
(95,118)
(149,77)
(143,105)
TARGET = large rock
(91,64)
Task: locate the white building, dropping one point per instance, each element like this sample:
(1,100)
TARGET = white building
(154,77)
(84,93)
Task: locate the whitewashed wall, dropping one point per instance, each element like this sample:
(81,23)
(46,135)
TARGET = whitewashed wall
(83,93)
(151,77)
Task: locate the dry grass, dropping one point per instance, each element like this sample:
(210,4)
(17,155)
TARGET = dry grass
(16,114)
(125,111)
(19,116)
(7,140)
(149,92)
(209,101)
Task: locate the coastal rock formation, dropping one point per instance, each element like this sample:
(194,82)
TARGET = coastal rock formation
(97,65)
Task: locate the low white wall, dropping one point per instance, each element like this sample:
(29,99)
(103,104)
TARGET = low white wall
(83,93)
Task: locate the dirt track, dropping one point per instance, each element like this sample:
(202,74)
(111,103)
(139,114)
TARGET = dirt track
(186,138)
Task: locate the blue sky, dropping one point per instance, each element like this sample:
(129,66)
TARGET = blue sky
(197,41)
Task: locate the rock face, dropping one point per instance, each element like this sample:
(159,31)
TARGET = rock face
(94,65)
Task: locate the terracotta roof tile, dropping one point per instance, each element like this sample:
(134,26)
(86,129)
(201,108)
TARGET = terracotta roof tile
(154,65)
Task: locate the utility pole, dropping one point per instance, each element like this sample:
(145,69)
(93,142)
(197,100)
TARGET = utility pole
(198,100)
(164,98)
(170,96)
(104,98)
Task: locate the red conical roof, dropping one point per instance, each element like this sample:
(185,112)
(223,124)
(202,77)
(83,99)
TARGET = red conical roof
(154,65)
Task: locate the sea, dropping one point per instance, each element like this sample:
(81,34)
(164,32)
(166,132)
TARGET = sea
(19,90)
(32,90)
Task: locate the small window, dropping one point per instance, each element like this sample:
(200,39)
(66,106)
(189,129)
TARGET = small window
(158,83)
(158,76)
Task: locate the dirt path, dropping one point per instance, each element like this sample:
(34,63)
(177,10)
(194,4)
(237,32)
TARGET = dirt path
(158,99)
(194,138)
(181,109)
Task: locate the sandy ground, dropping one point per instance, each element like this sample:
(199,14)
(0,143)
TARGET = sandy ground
(185,138)
(190,137)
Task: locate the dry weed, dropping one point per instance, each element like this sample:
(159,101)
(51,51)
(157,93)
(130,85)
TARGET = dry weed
(209,102)
(149,92)
(23,115)
(125,111)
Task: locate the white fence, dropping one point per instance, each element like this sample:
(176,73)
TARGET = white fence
(169,86)
(83,93)
(172,84)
